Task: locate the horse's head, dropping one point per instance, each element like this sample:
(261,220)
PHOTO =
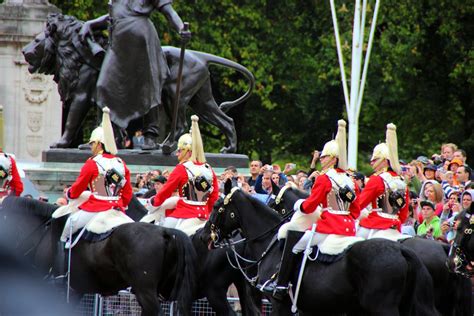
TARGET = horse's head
(285,198)
(224,218)
(461,254)
(41,52)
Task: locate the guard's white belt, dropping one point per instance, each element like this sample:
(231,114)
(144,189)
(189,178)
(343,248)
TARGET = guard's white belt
(330,210)
(200,203)
(384,215)
(106,198)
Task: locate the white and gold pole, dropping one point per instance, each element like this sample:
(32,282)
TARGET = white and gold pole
(354,100)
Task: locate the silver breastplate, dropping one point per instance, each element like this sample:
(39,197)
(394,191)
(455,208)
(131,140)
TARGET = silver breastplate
(392,184)
(111,178)
(200,182)
(339,181)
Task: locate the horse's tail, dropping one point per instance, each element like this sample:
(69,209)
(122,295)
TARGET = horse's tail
(213,59)
(418,297)
(185,281)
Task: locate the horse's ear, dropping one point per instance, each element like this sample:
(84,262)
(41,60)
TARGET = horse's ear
(275,188)
(227,186)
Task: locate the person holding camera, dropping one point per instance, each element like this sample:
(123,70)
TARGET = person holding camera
(196,183)
(386,193)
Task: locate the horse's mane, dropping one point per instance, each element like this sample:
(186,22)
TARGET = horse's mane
(28,206)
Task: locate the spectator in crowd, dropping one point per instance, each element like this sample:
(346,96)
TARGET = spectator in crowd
(429,172)
(359,179)
(451,206)
(433,192)
(282,179)
(165,173)
(453,166)
(431,225)
(447,151)
(413,175)
(466,199)
(158,183)
(423,160)
(463,176)
(410,224)
(461,155)
(303,182)
(255,167)
(276,178)
(264,184)
(314,160)
(138,140)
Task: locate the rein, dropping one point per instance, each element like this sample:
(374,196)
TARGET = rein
(226,243)
(21,242)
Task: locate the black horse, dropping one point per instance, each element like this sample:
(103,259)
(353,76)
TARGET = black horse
(375,277)
(152,260)
(461,255)
(215,271)
(452,293)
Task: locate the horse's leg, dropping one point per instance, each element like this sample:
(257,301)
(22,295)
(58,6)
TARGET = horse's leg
(148,300)
(250,298)
(281,307)
(217,299)
(207,109)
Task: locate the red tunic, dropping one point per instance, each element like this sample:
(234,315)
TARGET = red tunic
(330,223)
(376,187)
(177,179)
(88,174)
(16,186)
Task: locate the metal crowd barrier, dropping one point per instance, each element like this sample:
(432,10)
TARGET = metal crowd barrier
(125,304)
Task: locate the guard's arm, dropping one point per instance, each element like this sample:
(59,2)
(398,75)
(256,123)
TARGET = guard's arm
(15,184)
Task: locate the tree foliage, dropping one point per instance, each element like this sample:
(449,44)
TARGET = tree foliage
(420,75)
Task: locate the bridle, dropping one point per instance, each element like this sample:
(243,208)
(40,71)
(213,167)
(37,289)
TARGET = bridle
(279,199)
(225,242)
(461,259)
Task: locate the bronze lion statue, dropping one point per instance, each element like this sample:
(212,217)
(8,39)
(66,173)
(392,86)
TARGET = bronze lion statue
(75,65)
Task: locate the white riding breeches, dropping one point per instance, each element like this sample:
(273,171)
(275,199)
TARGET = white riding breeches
(300,246)
(187,225)
(75,222)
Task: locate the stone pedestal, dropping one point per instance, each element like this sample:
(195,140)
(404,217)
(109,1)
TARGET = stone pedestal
(31,103)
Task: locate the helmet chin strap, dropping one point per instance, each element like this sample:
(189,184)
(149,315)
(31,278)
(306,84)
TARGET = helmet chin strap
(329,165)
(377,165)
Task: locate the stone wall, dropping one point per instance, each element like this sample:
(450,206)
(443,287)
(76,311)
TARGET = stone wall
(31,103)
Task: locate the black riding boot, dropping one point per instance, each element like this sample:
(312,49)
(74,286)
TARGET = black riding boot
(60,254)
(279,287)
